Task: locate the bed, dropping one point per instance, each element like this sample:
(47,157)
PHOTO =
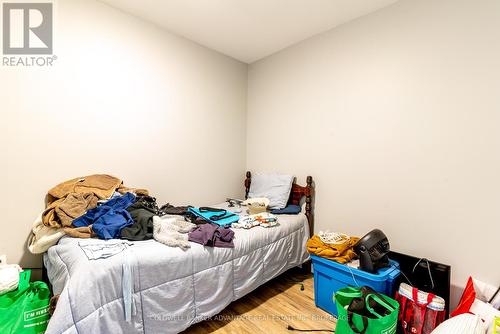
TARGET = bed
(172,288)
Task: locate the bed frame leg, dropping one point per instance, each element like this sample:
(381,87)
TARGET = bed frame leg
(306,267)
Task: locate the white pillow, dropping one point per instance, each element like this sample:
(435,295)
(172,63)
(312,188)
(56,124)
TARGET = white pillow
(275,187)
(461,324)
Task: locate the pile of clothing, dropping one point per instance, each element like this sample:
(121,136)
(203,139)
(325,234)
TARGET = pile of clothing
(263,219)
(100,206)
(334,246)
(73,198)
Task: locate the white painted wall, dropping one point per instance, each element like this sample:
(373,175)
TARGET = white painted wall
(397,117)
(124,98)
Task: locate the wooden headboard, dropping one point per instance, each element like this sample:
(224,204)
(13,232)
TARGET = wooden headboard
(296,195)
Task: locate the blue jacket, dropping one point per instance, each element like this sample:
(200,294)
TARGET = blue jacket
(109,218)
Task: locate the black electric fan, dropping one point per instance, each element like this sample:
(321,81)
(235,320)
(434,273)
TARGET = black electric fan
(372,250)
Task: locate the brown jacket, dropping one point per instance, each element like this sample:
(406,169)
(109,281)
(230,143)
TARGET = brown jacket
(63,211)
(101,185)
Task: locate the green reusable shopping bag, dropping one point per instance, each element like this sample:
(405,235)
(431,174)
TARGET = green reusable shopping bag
(349,322)
(25,310)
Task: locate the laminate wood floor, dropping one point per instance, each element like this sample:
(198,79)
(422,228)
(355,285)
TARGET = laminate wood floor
(270,309)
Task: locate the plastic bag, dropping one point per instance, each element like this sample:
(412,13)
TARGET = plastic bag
(25,310)
(420,312)
(379,322)
(9,277)
(471,302)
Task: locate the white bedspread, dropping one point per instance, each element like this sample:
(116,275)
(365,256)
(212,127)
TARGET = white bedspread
(173,289)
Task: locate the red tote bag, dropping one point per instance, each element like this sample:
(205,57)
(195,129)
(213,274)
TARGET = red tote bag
(416,317)
(420,312)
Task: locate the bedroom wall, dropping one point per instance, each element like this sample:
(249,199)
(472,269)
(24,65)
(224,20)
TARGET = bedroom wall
(126,98)
(396,116)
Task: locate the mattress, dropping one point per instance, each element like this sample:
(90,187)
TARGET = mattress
(172,288)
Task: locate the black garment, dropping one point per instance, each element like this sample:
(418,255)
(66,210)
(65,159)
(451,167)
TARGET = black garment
(147,202)
(142,212)
(169,209)
(196,219)
(359,305)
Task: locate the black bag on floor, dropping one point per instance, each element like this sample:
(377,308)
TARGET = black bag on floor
(415,271)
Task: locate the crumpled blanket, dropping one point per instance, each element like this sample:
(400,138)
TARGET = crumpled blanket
(341,253)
